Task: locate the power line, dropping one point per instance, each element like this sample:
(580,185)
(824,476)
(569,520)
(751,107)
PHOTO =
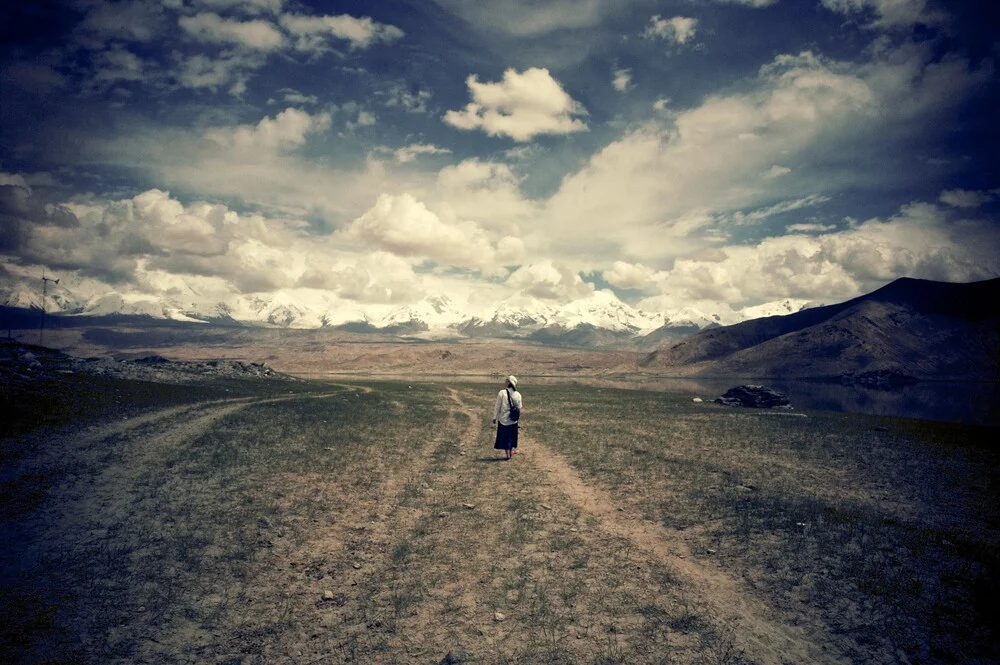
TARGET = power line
(45,293)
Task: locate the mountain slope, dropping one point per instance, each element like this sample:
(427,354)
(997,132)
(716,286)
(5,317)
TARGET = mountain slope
(914,327)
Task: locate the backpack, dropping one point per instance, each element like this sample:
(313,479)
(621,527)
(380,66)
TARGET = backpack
(515,412)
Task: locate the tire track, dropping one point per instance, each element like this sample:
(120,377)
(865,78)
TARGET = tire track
(89,500)
(766,638)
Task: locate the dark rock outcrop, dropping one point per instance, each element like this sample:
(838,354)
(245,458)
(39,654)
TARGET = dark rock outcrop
(756,397)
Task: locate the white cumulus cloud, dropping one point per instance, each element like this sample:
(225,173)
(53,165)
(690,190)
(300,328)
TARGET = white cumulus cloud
(256,34)
(523,105)
(625,275)
(412,151)
(622,79)
(311,33)
(406,227)
(964,198)
(550,280)
(678,30)
(888,13)
(286,130)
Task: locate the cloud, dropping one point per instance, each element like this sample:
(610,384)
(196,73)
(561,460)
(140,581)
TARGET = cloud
(411,152)
(129,20)
(232,69)
(922,241)
(782,207)
(521,19)
(311,33)
(488,192)
(777,171)
(748,3)
(22,213)
(116,65)
(550,280)
(411,101)
(522,106)
(365,119)
(379,277)
(810,228)
(963,198)
(120,241)
(406,227)
(622,79)
(666,182)
(246,6)
(888,13)
(257,35)
(677,30)
(287,129)
(292,96)
(625,275)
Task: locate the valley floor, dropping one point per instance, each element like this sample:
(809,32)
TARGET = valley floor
(313,523)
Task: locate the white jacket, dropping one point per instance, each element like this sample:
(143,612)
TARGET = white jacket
(501,413)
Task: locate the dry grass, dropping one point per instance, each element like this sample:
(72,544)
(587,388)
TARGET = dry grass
(374,523)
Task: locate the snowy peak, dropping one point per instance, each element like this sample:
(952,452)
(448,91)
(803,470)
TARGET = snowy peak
(521,315)
(691,317)
(602,309)
(776,308)
(28,294)
(523,311)
(433,312)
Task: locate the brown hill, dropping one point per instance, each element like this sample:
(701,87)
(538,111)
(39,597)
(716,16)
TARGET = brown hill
(919,328)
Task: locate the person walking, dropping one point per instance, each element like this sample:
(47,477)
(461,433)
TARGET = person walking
(506,414)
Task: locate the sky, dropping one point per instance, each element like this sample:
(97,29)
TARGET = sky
(706,153)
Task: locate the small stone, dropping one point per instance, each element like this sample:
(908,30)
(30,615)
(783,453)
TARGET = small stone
(356,566)
(327,595)
(573,529)
(499,616)
(469,506)
(710,551)
(697,400)
(546,506)
(442,514)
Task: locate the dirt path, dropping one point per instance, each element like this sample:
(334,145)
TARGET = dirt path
(86,501)
(764,636)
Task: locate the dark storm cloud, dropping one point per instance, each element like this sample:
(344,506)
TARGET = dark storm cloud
(20,212)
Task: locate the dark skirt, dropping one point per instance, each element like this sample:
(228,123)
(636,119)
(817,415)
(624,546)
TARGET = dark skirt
(506,437)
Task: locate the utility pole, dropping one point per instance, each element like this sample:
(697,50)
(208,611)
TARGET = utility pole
(45,292)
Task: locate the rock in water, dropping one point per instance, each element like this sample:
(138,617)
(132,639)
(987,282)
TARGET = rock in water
(757,397)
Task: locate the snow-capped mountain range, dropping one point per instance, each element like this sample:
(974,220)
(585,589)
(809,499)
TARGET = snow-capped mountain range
(521,315)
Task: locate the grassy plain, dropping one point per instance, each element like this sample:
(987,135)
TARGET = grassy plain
(301,522)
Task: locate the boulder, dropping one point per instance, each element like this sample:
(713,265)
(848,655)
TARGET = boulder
(757,397)
(154,359)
